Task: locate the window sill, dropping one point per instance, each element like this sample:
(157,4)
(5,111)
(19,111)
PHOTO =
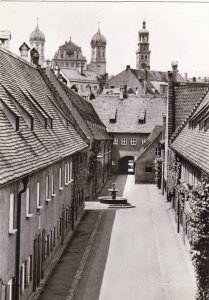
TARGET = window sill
(39,207)
(48,199)
(66,183)
(61,188)
(53,195)
(12,231)
(28,216)
(71,180)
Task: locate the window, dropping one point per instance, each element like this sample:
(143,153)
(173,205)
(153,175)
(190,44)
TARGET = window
(148,169)
(115,141)
(10,295)
(38,200)
(124,141)
(29,269)
(12,230)
(28,208)
(47,189)
(70,171)
(66,175)
(133,141)
(143,140)
(53,191)
(158,151)
(39,222)
(72,64)
(60,179)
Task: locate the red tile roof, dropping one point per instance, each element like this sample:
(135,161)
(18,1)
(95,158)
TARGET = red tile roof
(53,137)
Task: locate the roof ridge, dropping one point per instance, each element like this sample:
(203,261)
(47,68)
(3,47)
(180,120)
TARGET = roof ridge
(181,127)
(18,58)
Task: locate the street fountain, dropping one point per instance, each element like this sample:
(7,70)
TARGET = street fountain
(114,200)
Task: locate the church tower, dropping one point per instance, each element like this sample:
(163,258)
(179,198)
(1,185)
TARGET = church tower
(37,41)
(98,53)
(143,52)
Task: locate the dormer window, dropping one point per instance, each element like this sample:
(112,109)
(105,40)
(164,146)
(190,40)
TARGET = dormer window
(142,116)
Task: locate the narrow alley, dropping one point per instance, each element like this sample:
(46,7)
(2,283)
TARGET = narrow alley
(136,253)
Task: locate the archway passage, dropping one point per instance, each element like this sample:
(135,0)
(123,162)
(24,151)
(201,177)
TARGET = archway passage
(126,165)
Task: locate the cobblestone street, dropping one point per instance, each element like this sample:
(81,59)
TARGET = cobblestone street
(134,254)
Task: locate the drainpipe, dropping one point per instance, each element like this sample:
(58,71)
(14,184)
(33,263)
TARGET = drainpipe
(17,262)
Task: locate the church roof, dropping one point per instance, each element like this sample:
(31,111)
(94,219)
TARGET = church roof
(98,38)
(37,35)
(69,46)
(144,30)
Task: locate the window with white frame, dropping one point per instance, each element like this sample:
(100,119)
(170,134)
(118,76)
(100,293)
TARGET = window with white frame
(53,190)
(12,228)
(66,175)
(29,269)
(47,189)
(143,140)
(124,141)
(70,171)
(133,141)
(60,179)
(115,141)
(10,295)
(22,278)
(28,208)
(38,199)
(158,151)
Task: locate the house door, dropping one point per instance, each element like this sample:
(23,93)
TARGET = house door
(37,262)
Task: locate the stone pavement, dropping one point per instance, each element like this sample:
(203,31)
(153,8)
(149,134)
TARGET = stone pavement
(146,259)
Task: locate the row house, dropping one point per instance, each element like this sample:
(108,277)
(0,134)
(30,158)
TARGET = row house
(43,154)
(187,159)
(129,121)
(99,154)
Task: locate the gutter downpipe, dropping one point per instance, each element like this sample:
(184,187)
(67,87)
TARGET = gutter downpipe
(17,261)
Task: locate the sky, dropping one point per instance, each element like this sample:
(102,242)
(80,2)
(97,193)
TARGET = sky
(178,31)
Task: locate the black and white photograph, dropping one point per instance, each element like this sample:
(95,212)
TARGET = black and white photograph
(104,150)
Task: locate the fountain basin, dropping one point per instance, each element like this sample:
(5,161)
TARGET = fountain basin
(110,200)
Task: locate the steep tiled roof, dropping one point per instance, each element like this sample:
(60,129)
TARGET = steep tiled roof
(150,140)
(74,74)
(128,110)
(192,143)
(154,75)
(44,136)
(186,95)
(87,111)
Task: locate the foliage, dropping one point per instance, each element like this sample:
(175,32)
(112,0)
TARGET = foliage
(92,160)
(199,223)
(158,171)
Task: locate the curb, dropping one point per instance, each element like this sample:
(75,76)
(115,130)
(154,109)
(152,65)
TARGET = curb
(79,272)
(43,281)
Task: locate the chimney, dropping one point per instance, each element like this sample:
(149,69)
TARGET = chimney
(34,57)
(81,69)
(174,65)
(194,79)
(24,48)
(185,77)
(5,38)
(170,106)
(57,71)
(128,67)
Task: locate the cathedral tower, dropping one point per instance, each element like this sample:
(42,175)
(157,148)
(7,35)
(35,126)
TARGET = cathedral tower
(37,41)
(98,53)
(143,52)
